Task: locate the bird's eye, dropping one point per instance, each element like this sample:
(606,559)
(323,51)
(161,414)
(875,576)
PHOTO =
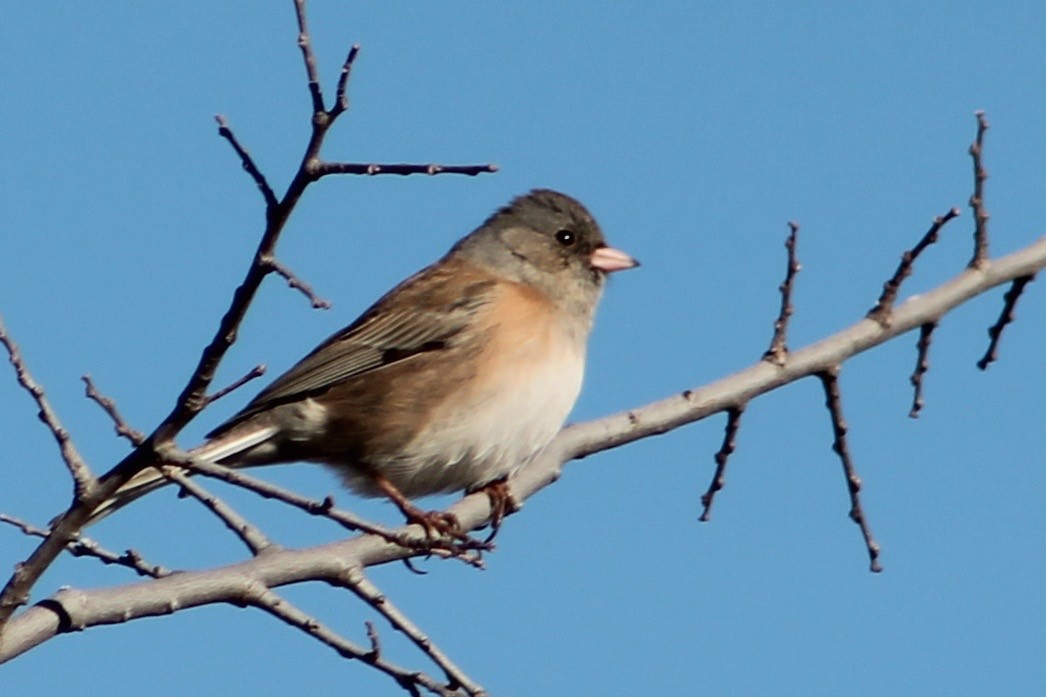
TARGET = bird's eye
(566,238)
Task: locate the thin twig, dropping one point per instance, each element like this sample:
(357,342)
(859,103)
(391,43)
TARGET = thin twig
(83,479)
(733,423)
(325,168)
(248,162)
(109,406)
(830,380)
(1005,317)
(249,534)
(87,547)
(922,364)
(341,97)
(255,372)
(311,71)
(294,282)
(375,642)
(881,312)
(277,606)
(980,213)
(778,351)
(327,509)
(358,583)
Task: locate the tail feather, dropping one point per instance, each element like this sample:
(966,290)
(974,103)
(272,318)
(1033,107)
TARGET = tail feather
(150,479)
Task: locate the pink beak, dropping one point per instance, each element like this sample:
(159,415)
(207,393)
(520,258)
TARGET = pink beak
(608,259)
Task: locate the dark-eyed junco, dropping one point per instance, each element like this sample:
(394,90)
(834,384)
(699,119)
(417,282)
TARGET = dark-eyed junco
(453,380)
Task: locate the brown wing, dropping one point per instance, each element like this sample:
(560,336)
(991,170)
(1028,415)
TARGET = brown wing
(424,313)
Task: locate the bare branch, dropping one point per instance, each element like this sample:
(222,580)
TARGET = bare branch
(372,635)
(341,98)
(881,311)
(255,372)
(833,401)
(326,168)
(280,608)
(922,364)
(249,534)
(83,480)
(123,429)
(733,423)
(86,547)
(980,213)
(194,588)
(1005,317)
(248,163)
(326,509)
(354,579)
(293,281)
(778,351)
(193,397)
(311,71)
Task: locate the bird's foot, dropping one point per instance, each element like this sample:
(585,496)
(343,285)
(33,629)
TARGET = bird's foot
(442,530)
(502,503)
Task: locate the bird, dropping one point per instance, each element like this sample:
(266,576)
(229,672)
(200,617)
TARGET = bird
(451,381)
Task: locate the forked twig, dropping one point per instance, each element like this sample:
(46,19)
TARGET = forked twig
(277,606)
(355,580)
(87,547)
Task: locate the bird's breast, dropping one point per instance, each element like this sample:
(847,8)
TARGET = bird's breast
(525,375)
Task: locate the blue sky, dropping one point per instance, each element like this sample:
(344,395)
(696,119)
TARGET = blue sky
(693,132)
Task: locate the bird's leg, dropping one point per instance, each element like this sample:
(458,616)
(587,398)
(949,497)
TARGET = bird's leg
(502,503)
(435,522)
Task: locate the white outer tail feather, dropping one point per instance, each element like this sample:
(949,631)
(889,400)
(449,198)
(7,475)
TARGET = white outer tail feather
(150,479)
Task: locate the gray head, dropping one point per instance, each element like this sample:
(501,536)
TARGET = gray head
(550,241)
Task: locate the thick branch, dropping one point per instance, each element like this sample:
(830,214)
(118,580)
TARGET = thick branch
(80,608)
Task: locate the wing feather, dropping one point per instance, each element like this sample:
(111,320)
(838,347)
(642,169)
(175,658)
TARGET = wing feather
(424,313)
